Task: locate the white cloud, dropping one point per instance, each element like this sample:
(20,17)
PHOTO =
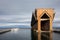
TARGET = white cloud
(56,24)
(56,19)
(15,18)
(13,24)
(12,20)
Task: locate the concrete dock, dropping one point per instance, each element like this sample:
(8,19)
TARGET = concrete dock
(4,31)
(56,31)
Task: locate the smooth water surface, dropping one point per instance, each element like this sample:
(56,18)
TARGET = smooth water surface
(24,34)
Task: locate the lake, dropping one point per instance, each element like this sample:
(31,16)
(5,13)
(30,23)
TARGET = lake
(27,34)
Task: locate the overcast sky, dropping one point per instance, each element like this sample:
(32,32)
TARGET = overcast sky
(18,12)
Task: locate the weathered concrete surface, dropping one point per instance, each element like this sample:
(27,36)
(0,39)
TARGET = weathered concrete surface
(4,31)
(56,31)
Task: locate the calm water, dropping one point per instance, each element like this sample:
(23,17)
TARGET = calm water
(27,34)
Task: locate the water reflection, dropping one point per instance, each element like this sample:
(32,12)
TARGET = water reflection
(15,30)
(41,35)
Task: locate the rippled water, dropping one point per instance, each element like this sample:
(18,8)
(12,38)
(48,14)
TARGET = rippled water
(25,34)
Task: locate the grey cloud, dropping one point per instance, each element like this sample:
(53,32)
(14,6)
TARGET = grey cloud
(26,6)
(14,19)
(18,10)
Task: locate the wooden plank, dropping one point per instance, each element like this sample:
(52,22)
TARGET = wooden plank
(44,19)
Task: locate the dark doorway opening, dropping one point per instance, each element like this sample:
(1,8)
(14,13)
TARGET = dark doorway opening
(45,22)
(45,16)
(45,25)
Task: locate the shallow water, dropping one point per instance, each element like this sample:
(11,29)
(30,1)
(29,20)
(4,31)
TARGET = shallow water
(25,34)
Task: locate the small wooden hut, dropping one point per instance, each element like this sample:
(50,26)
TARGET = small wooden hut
(42,19)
